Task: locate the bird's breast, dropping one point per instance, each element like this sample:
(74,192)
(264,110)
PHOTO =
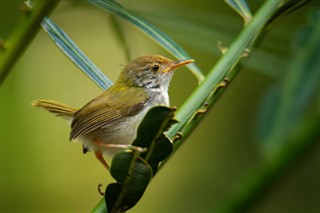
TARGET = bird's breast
(123,131)
(159,96)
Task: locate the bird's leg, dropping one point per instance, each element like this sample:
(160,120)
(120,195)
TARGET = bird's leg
(99,156)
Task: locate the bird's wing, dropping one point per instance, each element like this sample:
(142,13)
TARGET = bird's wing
(109,107)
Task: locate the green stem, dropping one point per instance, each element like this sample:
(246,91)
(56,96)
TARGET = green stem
(101,207)
(23,35)
(227,67)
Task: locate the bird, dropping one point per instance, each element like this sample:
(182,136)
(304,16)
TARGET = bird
(110,121)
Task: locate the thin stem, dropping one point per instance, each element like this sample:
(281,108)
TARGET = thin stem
(23,35)
(101,207)
(227,67)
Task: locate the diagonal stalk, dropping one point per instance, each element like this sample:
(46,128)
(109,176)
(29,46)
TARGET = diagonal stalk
(23,35)
(206,94)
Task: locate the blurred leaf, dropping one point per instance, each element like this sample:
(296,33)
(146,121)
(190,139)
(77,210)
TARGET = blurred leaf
(70,49)
(133,175)
(268,107)
(242,8)
(150,30)
(120,35)
(254,186)
(288,7)
(299,89)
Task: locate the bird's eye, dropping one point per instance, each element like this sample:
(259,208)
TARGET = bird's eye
(155,68)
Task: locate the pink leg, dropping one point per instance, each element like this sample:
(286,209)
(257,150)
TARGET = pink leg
(99,156)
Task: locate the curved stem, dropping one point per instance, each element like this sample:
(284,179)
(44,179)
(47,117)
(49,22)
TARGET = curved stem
(23,35)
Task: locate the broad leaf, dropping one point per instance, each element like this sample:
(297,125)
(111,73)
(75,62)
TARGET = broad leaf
(298,90)
(133,175)
(150,135)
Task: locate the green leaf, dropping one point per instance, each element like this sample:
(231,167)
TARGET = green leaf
(112,193)
(133,175)
(299,88)
(70,49)
(287,7)
(150,30)
(121,164)
(154,123)
(162,149)
(150,135)
(265,116)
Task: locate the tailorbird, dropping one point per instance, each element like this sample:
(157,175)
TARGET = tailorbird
(110,121)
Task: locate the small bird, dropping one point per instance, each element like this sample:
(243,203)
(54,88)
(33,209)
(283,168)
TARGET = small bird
(110,121)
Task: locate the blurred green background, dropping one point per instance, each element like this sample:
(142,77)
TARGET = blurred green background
(41,171)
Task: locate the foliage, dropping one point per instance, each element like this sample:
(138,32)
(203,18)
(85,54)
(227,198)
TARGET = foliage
(287,128)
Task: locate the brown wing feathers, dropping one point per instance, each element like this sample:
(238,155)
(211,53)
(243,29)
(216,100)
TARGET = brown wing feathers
(106,109)
(92,121)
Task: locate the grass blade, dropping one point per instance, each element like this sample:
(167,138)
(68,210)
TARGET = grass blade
(70,49)
(242,8)
(153,32)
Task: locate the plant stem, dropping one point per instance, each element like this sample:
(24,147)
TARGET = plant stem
(101,207)
(227,67)
(23,35)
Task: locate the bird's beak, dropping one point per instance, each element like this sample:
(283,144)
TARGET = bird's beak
(176,64)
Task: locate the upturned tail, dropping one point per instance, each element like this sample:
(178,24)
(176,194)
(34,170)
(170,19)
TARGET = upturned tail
(56,108)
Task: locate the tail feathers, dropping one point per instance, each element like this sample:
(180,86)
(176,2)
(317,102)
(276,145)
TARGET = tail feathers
(57,108)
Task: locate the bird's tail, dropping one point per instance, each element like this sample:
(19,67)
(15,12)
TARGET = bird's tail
(56,108)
